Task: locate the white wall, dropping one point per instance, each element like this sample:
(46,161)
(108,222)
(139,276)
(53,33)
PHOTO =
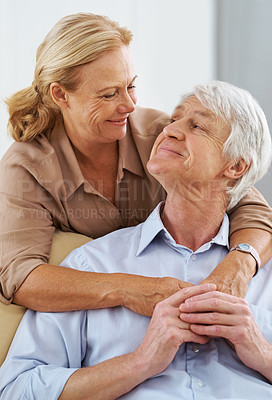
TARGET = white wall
(245,56)
(173,46)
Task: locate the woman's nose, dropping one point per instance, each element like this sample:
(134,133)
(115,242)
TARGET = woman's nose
(127,104)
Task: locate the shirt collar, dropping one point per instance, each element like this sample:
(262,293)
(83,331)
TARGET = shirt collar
(222,237)
(129,158)
(72,175)
(150,228)
(154,226)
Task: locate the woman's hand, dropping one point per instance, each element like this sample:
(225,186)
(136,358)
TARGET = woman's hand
(141,294)
(233,274)
(217,314)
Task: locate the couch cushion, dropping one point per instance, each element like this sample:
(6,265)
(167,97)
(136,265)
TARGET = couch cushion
(11,315)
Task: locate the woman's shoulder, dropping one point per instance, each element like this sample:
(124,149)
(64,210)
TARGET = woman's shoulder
(148,121)
(24,153)
(22,166)
(24,161)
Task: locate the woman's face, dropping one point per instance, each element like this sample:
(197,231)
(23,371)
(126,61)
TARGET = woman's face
(97,112)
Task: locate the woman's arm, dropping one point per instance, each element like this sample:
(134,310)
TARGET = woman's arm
(28,216)
(52,288)
(251,222)
(234,273)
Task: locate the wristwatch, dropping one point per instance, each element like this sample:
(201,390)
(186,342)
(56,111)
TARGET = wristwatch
(247,248)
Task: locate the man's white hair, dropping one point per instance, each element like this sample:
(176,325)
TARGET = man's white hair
(249,138)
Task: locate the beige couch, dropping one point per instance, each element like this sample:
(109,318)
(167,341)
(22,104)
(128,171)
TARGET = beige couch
(11,315)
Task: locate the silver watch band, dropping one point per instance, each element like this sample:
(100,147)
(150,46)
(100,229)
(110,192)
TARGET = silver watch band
(247,248)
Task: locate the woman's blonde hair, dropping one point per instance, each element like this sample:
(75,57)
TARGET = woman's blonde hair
(75,40)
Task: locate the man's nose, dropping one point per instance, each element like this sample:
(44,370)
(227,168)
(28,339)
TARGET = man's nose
(174,130)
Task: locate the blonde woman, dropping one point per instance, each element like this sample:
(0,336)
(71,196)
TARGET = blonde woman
(79,164)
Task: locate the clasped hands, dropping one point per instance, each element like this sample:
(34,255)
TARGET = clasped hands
(142,293)
(197,314)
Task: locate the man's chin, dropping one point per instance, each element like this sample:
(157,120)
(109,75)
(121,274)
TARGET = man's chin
(158,170)
(153,167)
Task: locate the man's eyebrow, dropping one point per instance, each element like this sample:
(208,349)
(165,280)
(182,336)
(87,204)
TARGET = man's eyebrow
(115,86)
(206,114)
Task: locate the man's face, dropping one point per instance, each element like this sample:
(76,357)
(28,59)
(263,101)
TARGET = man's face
(189,151)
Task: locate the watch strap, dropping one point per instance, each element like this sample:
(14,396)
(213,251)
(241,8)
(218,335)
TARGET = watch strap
(247,248)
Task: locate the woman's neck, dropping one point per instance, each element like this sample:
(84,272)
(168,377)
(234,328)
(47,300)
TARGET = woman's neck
(99,158)
(99,167)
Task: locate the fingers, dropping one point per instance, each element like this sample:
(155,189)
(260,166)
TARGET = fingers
(167,312)
(214,304)
(183,284)
(214,331)
(179,297)
(166,315)
(216,295)
(210,318)
(194,337)
(215,314)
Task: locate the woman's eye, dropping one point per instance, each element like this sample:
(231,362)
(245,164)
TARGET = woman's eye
(109,96)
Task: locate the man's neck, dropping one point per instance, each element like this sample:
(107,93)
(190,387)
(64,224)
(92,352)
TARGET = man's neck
(192,224)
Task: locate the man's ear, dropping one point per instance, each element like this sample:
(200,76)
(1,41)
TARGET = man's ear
(58,94)
(236,170)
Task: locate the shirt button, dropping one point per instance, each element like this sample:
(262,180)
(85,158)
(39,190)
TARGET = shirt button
(200,383)
(195,348)
(194,257)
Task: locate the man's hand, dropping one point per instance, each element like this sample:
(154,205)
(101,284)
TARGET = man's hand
(166,332)
(233,274)
(217,314)
(143,293)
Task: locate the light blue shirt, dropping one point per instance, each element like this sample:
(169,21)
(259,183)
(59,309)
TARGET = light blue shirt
(49,347)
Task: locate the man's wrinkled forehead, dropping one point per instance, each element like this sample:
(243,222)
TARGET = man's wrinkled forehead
(185,107)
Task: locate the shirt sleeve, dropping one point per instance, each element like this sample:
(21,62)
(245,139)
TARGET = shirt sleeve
(251,212)
(47,349)
(26,229)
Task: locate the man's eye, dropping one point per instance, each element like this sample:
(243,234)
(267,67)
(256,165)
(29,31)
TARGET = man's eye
(195,125)
(131,87)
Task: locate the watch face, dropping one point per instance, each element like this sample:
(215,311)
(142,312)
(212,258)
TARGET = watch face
(244,246)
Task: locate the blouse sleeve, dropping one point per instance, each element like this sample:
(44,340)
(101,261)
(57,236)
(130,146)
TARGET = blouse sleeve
(26,228)
(252,211)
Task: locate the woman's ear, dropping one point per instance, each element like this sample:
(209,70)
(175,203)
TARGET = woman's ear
(236,170)
(58,94)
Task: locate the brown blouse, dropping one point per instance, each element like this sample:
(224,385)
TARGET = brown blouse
(42,188)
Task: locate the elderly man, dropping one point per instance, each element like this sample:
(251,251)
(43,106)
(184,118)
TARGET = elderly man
(199,343)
